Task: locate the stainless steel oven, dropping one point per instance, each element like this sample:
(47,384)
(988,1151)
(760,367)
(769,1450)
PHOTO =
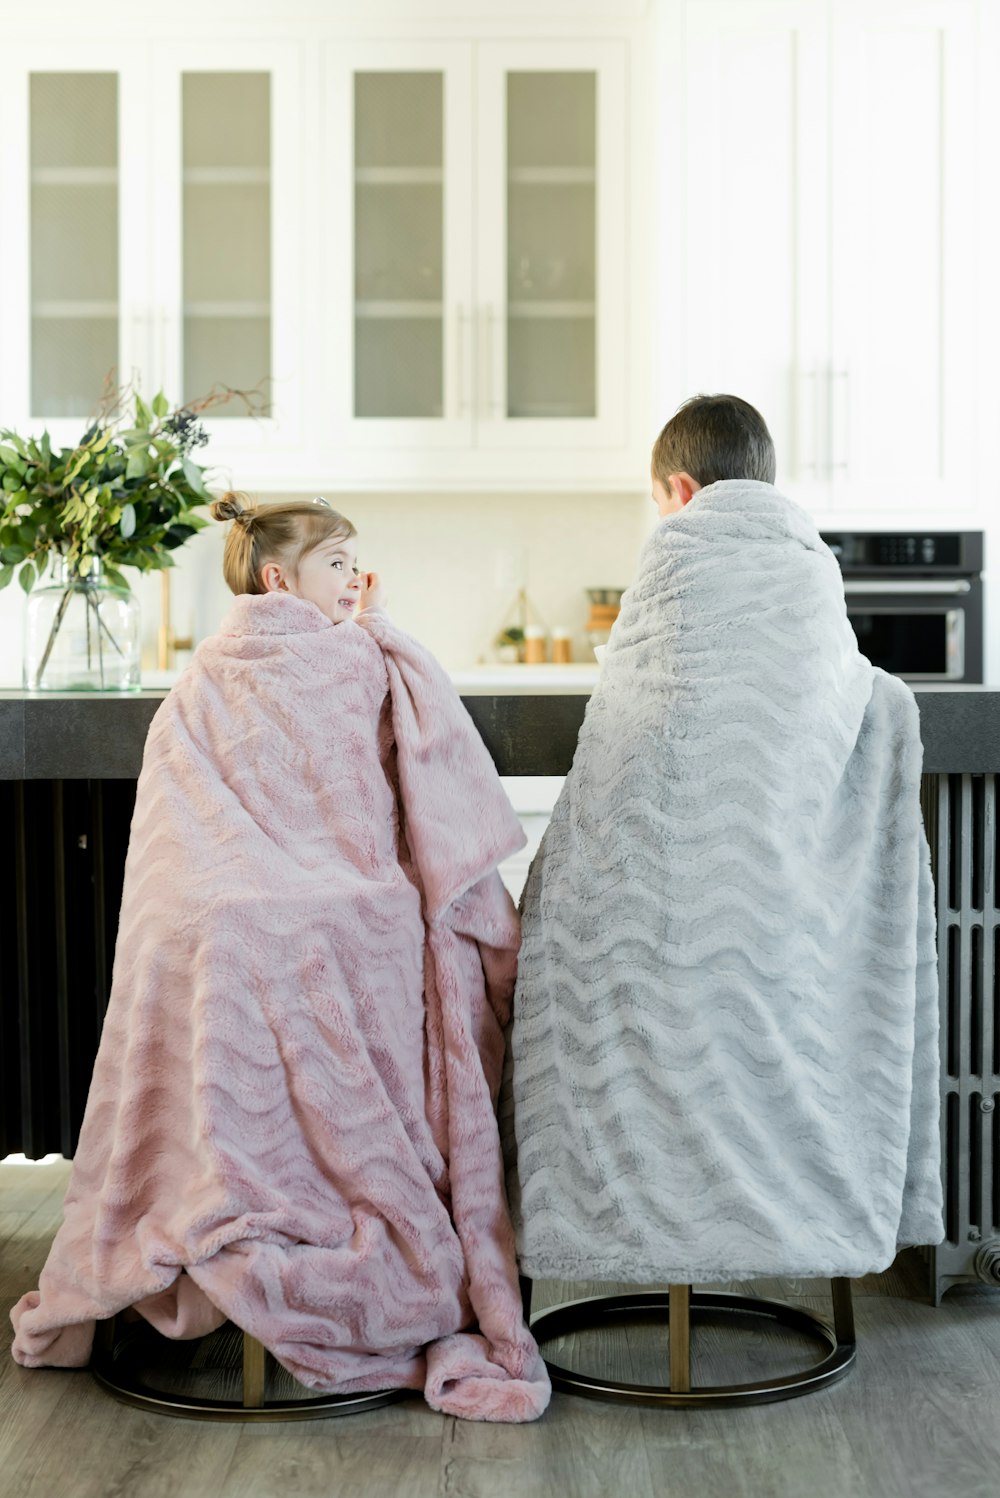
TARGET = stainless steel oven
(915,600)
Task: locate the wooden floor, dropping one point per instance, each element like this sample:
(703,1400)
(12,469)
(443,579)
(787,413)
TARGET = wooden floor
(919,1415)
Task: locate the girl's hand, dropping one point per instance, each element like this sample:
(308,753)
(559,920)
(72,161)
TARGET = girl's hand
(372,592)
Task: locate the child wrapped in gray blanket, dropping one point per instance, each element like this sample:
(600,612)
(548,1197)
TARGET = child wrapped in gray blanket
(724,1052)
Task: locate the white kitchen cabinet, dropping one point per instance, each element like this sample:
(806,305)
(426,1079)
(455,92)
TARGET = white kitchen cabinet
(158,196)
(422,252)
(76,268)
(830,240)
(478,326)
(228,227)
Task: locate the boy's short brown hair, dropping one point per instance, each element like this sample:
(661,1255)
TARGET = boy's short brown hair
(715,437)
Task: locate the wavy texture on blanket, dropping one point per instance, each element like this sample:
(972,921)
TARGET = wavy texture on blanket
(291,1122)
(724,1048)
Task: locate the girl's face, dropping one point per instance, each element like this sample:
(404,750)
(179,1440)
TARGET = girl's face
(327,576)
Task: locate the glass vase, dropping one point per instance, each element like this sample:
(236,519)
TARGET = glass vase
(81,634)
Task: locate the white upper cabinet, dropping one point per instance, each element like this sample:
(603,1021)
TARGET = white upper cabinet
(228,227)
(397,253)
(551,266)
(475,252)
(831,226)
(157,246)
(75,224)
(904,316)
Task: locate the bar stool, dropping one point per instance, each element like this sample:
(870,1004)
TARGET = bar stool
(124,1362)
(677,1307)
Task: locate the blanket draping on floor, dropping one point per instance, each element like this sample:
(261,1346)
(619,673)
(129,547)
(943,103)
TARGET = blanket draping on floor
(291,1121)
(724,1048)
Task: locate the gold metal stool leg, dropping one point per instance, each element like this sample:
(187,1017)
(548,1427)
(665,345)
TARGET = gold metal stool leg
(254,1368)
(679,1326)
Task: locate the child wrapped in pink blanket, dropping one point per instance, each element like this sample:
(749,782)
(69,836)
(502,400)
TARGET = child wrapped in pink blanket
(291,1122)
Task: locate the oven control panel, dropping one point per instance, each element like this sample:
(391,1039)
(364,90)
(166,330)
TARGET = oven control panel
(889,551)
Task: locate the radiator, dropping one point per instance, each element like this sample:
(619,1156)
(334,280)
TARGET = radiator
(62,861)
(961,816)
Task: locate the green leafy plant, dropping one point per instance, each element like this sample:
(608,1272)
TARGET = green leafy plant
(126,494)
(512,635)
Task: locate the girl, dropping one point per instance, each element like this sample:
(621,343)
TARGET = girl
(291,1121)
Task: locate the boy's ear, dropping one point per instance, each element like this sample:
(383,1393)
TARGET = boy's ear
(684,487)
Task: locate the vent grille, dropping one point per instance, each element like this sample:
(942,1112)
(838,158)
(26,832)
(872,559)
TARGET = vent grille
(960,812)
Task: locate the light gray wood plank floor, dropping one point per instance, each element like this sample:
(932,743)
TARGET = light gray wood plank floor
(920,1414)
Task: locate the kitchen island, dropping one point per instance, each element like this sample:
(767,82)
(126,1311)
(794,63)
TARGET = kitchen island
(68,766)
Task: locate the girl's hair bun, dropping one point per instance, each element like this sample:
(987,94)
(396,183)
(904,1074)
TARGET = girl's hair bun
(231,506)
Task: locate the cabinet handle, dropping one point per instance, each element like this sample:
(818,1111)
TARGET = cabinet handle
(139,345)
(841,374)
(813,465)
(492,405)
(461,321)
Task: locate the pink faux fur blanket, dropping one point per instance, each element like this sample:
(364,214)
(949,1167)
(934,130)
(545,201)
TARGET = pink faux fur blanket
(291,1121)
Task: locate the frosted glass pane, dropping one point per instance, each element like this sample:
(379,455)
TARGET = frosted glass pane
(550,367)
(73,121)
(398,119)
(226,119)
(551,245)
(398,242)
(551,119)
(226,241)
(70,359)
(397,367)
(227,250)
(74,243)
(551,233)
(399,245)
(234,351)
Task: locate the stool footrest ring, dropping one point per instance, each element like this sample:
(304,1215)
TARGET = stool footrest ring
(595,1311)
(115,1367)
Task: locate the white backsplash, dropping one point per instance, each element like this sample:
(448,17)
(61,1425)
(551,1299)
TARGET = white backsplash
(451,564)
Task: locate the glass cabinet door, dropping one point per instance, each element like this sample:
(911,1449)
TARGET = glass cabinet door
(73,255)
(551,232)
(551,192)
(399,245)
(73,123)
(226,236)
(399,192)
(230,229)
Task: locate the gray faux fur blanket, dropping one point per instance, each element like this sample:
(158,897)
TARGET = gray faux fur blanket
(724,1054)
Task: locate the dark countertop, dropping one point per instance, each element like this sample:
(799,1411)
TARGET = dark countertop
(89,736)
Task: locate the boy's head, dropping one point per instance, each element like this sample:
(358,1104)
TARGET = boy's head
(712,437)
(304,548)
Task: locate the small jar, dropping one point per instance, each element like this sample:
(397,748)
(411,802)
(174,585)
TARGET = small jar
(534,645)
(561,652)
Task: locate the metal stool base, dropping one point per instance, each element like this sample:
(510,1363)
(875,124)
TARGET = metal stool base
(109,1366)
(579,1315)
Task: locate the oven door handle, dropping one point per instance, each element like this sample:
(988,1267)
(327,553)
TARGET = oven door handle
(949,587)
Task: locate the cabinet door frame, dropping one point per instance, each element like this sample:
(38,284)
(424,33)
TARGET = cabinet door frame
(396,439)
(21,60)
(608,59)
(233,439)
(940,477)
(789,360)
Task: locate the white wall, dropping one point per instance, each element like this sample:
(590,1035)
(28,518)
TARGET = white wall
(451,566)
